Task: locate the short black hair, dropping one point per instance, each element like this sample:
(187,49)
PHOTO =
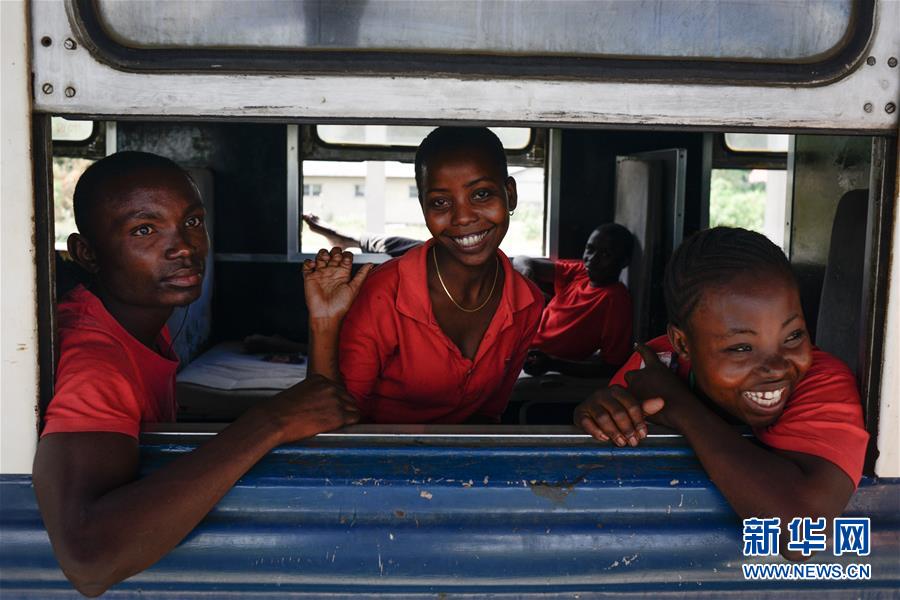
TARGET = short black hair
(621,238)
(714,257)
(110,175)
(449,139)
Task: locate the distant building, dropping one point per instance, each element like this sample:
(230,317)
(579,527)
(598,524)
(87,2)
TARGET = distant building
(381,197)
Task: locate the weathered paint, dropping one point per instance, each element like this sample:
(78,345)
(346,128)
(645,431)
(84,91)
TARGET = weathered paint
(18,302)
(888,463)
(103,90)
(461,519)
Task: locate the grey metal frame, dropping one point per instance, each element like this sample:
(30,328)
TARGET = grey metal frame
(491,435)
(515,57)
(74,79)
(789,197)
(551,218)
(679,183)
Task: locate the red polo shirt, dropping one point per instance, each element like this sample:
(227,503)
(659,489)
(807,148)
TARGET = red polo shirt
(402,368)
(581,319)
(823,416)
(106,379)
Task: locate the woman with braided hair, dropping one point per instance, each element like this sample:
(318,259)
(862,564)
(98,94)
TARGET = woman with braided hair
(737,352)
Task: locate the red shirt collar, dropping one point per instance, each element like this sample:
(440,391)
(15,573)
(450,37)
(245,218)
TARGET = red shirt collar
(414,302)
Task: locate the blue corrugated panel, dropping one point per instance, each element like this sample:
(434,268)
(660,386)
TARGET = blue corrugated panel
(465,520)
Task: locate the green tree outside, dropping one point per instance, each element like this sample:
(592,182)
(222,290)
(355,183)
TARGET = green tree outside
(735,201)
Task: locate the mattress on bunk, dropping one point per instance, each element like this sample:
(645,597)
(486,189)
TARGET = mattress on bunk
(227,367)
(223,382)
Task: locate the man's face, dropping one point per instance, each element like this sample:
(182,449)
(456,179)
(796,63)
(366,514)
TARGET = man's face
(602,259)
(150,243)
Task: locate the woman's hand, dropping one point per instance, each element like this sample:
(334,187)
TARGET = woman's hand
(620,414)
(327,284)
(614,413)
(329,291)
(657,380)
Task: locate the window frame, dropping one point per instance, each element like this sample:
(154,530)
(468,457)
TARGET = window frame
(315,189)
(834,65)
(426,435)
(93,147)
(725,157)
(315,148)
(876,290)
(310,147)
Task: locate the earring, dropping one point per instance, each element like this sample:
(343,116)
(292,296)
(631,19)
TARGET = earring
(512,212)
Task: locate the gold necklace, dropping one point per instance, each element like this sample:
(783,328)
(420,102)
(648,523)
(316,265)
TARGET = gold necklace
(437,270)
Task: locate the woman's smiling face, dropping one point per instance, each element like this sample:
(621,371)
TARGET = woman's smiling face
(466,199)
(748,345)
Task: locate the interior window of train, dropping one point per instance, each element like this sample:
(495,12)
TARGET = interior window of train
(364,198)
(74,150)
(801,191)
(406,136)
(70,130)
(749,186)
(247,175)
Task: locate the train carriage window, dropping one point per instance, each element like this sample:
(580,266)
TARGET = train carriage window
(66,130)
(66,171)
(361,197)
(513,138)
(369,196)
(380,197)
(72,141)
(791,30)
(750,198)
(757,142)
(800,43)
(370,187)
(748,184)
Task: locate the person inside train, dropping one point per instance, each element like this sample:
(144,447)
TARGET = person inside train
(737,352)
(142,238)
(439,335)
(585,329)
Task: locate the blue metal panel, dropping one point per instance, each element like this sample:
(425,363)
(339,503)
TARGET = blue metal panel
(466,520)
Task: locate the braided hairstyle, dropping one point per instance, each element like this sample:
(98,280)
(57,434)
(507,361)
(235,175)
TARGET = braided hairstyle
(451,139)
(714,257)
